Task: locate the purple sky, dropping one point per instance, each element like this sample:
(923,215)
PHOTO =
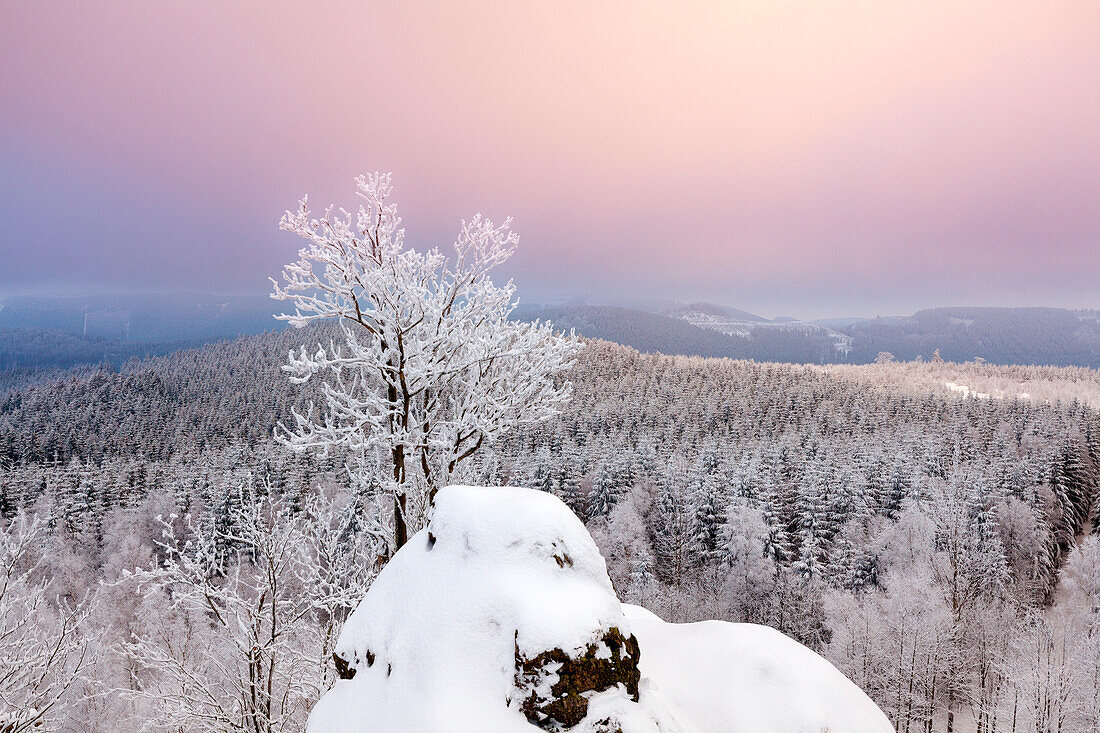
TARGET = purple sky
(786,157)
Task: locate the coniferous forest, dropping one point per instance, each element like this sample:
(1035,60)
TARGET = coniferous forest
(933,543)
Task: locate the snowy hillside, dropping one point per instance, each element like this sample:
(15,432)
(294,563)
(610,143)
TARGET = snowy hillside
(734,322)
(716,311)
(500,616)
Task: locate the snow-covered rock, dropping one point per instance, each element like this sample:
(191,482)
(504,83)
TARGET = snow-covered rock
(500,616)
(745,678)
(499,576)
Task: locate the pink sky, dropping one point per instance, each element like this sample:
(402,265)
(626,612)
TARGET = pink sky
(812,158)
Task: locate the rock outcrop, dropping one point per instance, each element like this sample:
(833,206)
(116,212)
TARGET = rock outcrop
(500,617)
(555,685)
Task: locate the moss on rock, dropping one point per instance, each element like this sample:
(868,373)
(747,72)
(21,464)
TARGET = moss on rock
(610,661)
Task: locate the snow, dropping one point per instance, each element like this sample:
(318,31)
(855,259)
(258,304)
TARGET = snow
(741,326)
(966,391)
(495,569)
(433,642)
(745,678)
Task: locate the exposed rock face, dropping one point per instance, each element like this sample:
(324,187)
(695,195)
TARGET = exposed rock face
(554,683)
(343,670)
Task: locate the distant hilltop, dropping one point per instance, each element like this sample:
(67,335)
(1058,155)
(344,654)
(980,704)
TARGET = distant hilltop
(68,330)
(1041,336)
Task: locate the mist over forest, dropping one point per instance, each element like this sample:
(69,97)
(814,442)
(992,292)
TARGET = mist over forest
(44,332)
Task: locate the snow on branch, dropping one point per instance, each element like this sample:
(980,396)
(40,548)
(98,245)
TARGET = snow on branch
(44,649)
(431,366)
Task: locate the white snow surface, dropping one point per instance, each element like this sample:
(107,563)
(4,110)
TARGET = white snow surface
(499,568)
(444,617)
(719,677)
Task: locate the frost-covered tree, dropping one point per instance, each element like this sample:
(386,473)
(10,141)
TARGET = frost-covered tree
(749,573)
(606,489)
(671,528)
(430,367)
(1084,567)
(240,619)
(44,650)
(1044,670)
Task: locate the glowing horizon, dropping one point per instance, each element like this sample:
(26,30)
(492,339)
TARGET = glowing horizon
(781,157)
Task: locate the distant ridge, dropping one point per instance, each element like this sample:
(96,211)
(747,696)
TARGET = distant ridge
(782,339)
(148,318)
(1047,336)
(656,333)
(646,332)
(59,332)
(717,311)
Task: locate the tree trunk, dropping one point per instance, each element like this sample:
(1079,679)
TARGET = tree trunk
(400,528)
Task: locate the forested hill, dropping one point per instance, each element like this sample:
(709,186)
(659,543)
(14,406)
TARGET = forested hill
(635,416)
(852,508)
(43,338)
(647,332)
(215,396)
(654,333)
(1053,336)
(39,348)
(1028,336)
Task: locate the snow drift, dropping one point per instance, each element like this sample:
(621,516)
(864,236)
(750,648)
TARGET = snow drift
(500,616)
